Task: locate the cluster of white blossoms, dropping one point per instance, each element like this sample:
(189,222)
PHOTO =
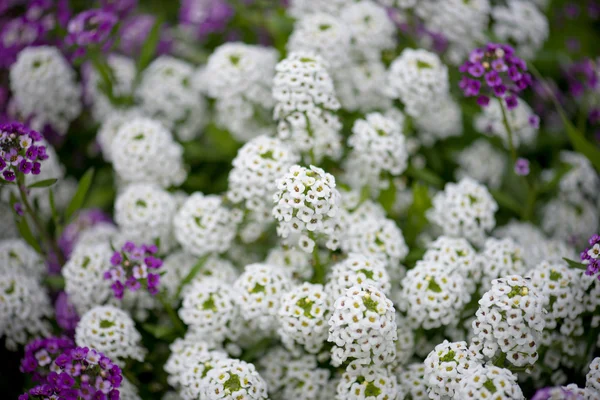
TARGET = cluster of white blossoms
(84,276)
(581,182)
(240,77)
(362,327)
(361,86)
(523,24)
(300,8)
(412,380)
(433,294)
(144,213)
(440,123)
(419,79)
(357,269)
(94,92)
(482,162)
(233,379)
(110,127)
(307,207)
(203,225)
(17,255)
(111,331)
(378,151)
(297,261)
(24,306)
(166,93)
(362,382)
(489,382)
(303,317)
(196,365)
(305,106)
(445,368)
(184,353)
(570,222)
(509,322)
(256,168)
(592,379)
(143,150)
(45,88)
(371,30)
(522,122)
(464,209)
(499,258)
(259,290)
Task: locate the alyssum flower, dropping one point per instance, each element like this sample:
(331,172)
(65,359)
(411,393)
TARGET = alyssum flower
(18,151)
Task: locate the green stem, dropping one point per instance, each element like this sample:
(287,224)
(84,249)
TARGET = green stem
(48,241)
(499,362)
(511,146)
(319,269)
(171,312)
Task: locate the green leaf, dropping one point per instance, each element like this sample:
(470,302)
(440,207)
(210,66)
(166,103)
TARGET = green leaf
(506,201)
(80,194)
(387,197)
(106,76)
(416,213)
(425,175)
(575,264)
(149,48)
(27,235)
(580,143)
(192,274)
(560,173)
(43,184)
(55,282)
(159,331)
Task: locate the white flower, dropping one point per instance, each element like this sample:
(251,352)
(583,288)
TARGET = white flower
(439,123)
(307,207)
(209,307)
(296,260)
(509,321)
(483,382)
(412,380)
(592,379)
(570,222)
(523,24)
(197,362)
(44,86)
(491,123)
(259,291)
(303,317)
(184,355)
(301,8)
(361,382)
(203,225)
(357,269)
(363,327)
(17,256)
(446,366)
(145,212)
(110,331)
(144,151)
(405,345)
(371,30)
(464,209)
(433,294)
(123,71)
(499,258)
(24,308)
(231,379)
(481,162)
(166,94)
(111,123)
(361,86)
(581,182)
(419,79)
(7,221)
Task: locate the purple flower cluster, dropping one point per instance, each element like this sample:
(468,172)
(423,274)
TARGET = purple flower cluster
(131,269)
(203,17)
(582,76)
(91,28)
(84,220)
(591,256)
(18,151)
(550,393)
(66,314)
(134,31)
(68,372)
(494,71)
(522,167)
(120,7)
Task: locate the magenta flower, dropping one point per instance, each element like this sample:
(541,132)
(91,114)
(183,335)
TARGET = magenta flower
(91,28)
(590,257)
(18,152)
(85,219)
(522,167)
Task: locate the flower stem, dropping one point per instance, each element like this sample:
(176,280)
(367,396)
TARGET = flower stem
(318,268)
(509,132)
(499,361)
(171,312)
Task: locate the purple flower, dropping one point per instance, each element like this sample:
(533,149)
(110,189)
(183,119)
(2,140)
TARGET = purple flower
(582,76)
(15,35)
(549,393)
(135,30)
(203,17)
(591,256)
(118,289)
(534,121)
(19,152)
(66,314)
(128,247)
(19,209)
(91,27)
(122,8)
(522,167)
(129,269)
(84,220)
(511,102)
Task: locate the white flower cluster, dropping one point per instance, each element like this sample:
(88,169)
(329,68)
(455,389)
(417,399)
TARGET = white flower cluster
(457,255)
(210,309)
(362,327)
(144,151)
(111,331)
(184,354)
(144,213)
(433,295)
(360,382)
(84,276)
(233,379)
(419,79)
(522,23)
(17,255)
(24,307)
(405,345)
(305,106)
(491,122)
(123,73)
(196,363)
(464,209)
(256,169)
(44,88)
(166,93)
(412,380)
(440,123)
(500,258)
(298,262)
(259,289)
(592,379)
(489,382)
(581,182)
(361,86)
(482,162)
(357,269)
(110,126)
(509,321)
(203,225)
(570,222)
(307,208)
(240,77)
(378,151)
(300,8)
(371,30)
(445,368)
